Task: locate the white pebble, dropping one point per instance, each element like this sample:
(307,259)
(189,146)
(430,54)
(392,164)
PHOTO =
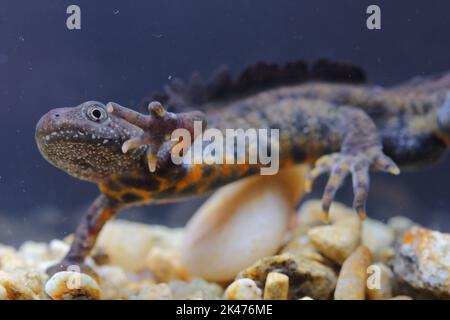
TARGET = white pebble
(240,224)
(243,289)
(68,285)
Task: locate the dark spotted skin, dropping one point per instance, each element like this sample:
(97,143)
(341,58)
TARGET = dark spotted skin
(347,128)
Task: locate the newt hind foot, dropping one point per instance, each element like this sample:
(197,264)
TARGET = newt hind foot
(339,165)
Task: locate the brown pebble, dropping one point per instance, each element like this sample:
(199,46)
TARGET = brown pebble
(379,282)
(339,240)
(351,283)
(277,286)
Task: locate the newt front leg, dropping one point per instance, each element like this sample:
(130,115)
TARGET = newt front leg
(102,210)
(157,129)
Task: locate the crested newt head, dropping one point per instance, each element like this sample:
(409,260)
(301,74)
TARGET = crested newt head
(86,141)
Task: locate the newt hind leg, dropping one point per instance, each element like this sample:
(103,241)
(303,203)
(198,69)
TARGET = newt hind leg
(361,150)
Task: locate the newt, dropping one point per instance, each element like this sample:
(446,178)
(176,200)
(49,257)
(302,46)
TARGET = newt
(328,117)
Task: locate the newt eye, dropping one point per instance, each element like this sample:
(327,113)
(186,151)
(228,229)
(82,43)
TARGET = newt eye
(97,113)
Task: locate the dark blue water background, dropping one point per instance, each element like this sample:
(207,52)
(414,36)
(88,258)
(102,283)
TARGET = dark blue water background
(128,49)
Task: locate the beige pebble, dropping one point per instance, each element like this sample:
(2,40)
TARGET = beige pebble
(379,282)
(306,298)
(68,285)
(11,261)
(339,240)
(243,289)
(401,298)
(277,286)
(3,293)
(310,213)
(300,245)
(6,250)
(378,238)
(351,282)
(58,248)
(127,243)
(165,264)
(35,282)
(15,287)
(33,251)
(399,225)
(239,224)
(160,291)
(195,289)
(114,282)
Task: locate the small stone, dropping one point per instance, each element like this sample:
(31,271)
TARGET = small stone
(195,289)
(306,298)
(380,282)
(15,288)
(11,261)
(160,291)
(310,214)
(34,281)
(378,238)
(165,264)
(69,285)
(351,283)
(399,225)
(127,243)
(113,282)
(401,298)
(243,289)
(306,277)
(277,286)
(6,250)
(300,245)
(422,260)
(34,251)
(339,240)
(58,248)
(3,293)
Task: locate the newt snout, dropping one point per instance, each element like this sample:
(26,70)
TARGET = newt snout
(49,122)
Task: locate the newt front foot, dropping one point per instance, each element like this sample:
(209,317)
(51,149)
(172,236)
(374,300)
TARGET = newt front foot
(157,129)
(339,165)
(72,265)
